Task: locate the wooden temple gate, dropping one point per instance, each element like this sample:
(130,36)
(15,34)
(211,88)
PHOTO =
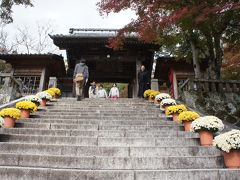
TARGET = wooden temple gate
(105,64)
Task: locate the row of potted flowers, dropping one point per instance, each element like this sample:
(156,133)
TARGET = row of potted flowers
(30,104)
(206,126)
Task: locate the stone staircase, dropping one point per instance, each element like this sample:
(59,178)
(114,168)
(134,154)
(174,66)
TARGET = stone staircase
(106,140)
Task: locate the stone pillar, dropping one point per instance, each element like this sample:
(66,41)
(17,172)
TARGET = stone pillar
(42,80)
(135,81)
(175,85)
(154,84)
(52,82)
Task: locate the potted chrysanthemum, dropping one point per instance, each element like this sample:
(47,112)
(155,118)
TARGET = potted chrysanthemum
(206,126)
(33,98)
(186,118)
(56,91)
(175,110)
(160,97)
(166,103)
(10,115)
(26,108)
(152,96)
(51,92)
(229,143)
(147,93)
(45,96)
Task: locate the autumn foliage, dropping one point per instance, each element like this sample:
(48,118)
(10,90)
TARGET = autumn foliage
(153,15)
(231,67)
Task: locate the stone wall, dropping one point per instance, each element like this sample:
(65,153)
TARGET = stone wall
(226,106)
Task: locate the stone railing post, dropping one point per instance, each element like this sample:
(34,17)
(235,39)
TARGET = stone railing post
(52,82)
(154,84)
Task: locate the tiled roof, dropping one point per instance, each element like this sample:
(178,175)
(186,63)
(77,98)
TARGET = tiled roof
(30,55)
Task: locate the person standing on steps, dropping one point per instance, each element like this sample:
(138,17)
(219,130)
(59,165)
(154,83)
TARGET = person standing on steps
(114,92)
(143,81)
(101,92)
(80,78)
(92,91)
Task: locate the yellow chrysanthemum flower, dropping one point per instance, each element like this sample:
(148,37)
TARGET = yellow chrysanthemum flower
(176,109)
(147,93)
(56,91)
(51,92)
(188,116)
(154,94)
(10,112)
(28,105)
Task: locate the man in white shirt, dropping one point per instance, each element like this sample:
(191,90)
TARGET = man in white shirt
(101,92)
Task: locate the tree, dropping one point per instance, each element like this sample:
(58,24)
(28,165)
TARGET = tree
(28,40)
(6,8)
(37,41)
(231,66)
(210,19)
(5,45)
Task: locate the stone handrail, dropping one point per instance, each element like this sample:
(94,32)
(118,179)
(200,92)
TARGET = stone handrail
(204,85)
(10,88)
(11,103)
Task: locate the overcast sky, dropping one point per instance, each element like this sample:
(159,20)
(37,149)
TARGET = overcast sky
(65,14)
(68,14)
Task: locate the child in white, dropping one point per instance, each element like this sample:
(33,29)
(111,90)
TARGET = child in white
(92,91)
(101,92)
(114,92)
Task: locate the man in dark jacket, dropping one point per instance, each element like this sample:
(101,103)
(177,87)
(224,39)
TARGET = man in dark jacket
(81,70)
(143,81)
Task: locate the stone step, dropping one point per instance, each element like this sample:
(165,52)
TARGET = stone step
(96,113)
(99,110)
(56,126)
(100,133)
(101,122)
(102,141)
(100,118)
(145,142)
(29,173)
(108,107)
(76,116)
(111,163)
(73,150)
(126,127)
(95,127)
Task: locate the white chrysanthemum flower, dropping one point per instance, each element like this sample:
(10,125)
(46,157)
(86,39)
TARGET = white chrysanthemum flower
(228,141)
(162,96)
(44,95)
(167,102)
(33,98)
(210,123)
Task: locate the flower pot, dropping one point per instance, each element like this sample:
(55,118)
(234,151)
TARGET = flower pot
(156,102)
(206,138)
(9,122)
(150,99)
(187,125)
(43,102)
(175,117)
(232,159)
(25,113)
